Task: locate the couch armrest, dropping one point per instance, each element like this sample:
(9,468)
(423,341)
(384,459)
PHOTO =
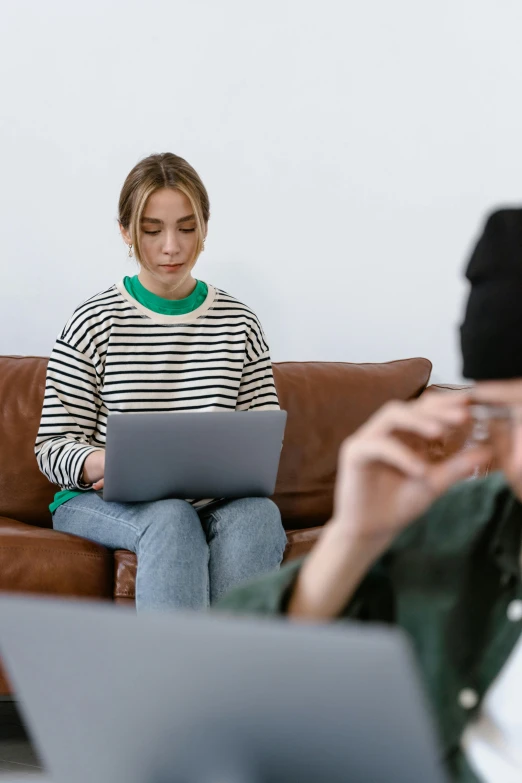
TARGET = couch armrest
(38,560)
(41,561)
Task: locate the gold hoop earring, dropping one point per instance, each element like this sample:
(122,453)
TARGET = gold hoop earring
(130,251)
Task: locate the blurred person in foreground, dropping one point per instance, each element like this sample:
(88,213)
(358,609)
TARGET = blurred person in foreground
(415,544)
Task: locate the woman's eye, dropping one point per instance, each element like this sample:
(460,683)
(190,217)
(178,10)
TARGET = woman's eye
(150,232)
(187,230)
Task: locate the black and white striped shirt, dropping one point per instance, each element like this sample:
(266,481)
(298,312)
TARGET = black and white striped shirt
(115,355)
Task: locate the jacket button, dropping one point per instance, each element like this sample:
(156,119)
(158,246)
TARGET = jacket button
(468,698)
(514,611)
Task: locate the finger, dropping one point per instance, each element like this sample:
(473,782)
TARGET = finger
(447,398)
(444,474)
(446,405)
(493,391)
(410,418)
(389,452)
(448,408)
(98,485)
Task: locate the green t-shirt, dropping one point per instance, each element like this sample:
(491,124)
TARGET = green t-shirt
(166,306)
(158,305)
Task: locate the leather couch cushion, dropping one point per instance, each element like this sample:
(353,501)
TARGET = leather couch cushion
(25,493)
(5,686)
(46,562)
(36,560)
(125,564)
(326,403)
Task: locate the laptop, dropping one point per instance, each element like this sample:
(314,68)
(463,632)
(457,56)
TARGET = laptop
(112,697)
(195,454)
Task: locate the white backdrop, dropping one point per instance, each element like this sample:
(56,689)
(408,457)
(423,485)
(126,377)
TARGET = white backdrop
(350,150)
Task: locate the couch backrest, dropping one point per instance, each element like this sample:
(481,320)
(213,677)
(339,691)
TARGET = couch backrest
(25,493)
(325,401)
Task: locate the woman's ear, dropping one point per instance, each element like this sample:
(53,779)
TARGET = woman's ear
(125,235)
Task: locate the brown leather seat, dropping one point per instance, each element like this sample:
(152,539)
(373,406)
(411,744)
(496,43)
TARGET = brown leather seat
(38,560)
(326,402)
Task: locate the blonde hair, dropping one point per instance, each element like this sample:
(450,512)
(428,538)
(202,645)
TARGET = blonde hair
(165,170)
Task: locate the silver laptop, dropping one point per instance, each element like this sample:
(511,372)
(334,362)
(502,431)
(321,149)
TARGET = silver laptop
(112,697)
(198,454)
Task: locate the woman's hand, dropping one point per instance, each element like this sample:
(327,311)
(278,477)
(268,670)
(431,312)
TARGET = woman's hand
(94,469)
(382,486)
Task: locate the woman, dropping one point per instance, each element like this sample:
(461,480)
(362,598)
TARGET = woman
(159,341)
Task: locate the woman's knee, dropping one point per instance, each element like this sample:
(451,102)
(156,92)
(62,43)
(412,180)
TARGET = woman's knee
(258,519)
(172,519)
(265,512)
(270,519)
(170,508)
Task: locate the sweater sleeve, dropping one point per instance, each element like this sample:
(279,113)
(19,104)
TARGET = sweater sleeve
(257,389)
(268,594)
(69,414)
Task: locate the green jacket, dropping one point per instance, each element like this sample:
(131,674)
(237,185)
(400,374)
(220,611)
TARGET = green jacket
(447,581)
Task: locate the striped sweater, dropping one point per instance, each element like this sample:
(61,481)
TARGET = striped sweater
(115,355)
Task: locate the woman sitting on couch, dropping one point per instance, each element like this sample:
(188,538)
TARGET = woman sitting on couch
(159,341)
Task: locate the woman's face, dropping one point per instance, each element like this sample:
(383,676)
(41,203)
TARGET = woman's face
(168,242)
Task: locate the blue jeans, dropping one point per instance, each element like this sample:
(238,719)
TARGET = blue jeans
(186,558)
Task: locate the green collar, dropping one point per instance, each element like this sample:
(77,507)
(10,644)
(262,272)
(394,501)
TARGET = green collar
(158,304)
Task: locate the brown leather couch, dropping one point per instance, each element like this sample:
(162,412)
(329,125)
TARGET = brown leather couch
(325,402)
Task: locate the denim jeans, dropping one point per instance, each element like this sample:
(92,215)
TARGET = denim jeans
(186,558)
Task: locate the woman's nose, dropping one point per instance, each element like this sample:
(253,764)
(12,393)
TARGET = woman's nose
(170,243)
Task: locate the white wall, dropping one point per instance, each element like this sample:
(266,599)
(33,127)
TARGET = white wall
(350,150)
